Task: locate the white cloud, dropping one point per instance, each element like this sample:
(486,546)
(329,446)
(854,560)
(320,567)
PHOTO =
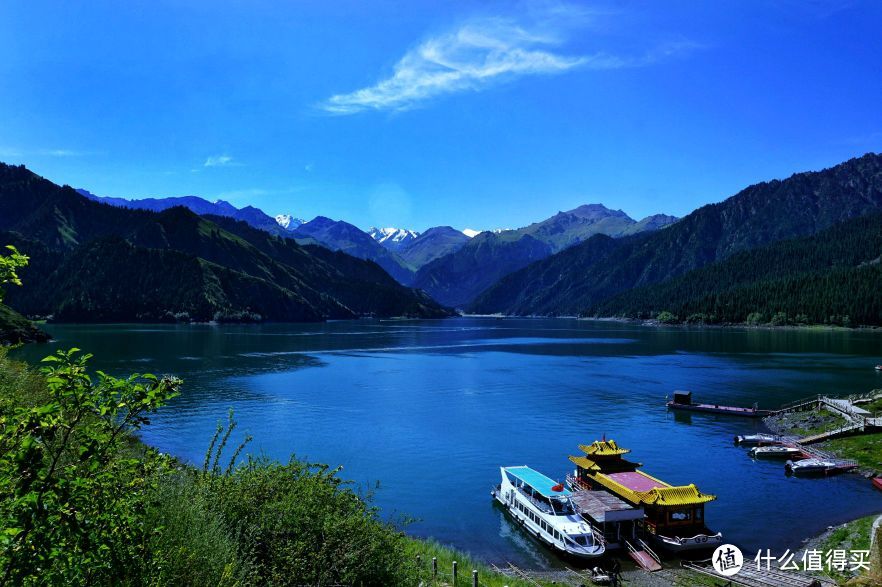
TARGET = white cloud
(219,161)
(480,53)
(62,153)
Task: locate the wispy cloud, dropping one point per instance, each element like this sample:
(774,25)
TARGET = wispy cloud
(10,152)
(478,54)
(220,161)
(63,153)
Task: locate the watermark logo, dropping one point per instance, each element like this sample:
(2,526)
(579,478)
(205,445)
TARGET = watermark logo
(727,560)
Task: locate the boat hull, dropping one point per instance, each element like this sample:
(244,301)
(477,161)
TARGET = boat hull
(757,440)
(726,410)
(785,453)
(680,544)
(877,483)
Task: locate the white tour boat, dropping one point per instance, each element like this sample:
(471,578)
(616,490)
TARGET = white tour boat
(545,509)
(775,452)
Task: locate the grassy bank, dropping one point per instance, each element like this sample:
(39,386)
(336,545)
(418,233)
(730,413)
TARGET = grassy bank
(851,536)
(426,550)
(805,423)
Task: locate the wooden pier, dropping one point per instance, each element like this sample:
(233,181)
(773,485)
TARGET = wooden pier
(750,576)
(858,419)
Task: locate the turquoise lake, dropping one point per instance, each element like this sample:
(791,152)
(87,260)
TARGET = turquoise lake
(423,413)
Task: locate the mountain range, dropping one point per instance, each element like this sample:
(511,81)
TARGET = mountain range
(458,272)
(582,278)
(457,278)
(95,262)
(253,216)
(801,249)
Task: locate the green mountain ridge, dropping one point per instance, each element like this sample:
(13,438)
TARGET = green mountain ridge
(825,277)
(584,276)
(95,262)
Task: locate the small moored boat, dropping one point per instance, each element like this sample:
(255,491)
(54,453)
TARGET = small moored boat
(775,452)
(810,467)
(683,401)
(878,367)
(545,509)
(877,483)
(757,439)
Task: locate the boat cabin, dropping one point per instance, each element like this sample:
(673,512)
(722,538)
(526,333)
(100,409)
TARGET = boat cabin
(683,398)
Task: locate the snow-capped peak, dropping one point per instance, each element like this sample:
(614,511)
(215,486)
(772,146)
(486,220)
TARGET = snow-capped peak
(470,232)
(288,222)
(392,235)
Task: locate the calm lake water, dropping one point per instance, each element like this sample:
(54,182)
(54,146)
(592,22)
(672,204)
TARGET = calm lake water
(425,412)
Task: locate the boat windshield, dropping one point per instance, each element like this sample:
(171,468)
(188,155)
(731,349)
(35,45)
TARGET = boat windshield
(562,506)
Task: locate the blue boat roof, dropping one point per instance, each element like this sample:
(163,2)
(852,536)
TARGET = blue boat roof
(536,480)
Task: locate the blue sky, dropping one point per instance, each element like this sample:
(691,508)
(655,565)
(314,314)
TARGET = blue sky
(414,114)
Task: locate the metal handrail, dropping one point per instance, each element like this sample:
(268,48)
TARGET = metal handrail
(798,402)
(648,550)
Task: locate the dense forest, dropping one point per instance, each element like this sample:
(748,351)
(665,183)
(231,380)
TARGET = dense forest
(833,277)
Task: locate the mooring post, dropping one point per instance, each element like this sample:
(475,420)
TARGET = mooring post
(454,573)
(434,567)
(474,577)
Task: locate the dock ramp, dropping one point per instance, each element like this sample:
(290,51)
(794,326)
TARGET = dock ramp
(645,558)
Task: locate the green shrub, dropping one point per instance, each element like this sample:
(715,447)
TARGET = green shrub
(190,543)
(755,318)
(71,492)
(303,525)
(666,317)
(698,318)
(779,319)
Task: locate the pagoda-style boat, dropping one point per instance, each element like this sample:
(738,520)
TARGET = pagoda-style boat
(546,511)
(674,515)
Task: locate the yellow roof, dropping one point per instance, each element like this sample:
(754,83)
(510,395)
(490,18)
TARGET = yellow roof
(683,495)
(664,495)
(585,463)
(603,448)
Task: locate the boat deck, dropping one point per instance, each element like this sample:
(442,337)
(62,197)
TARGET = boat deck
(602,506)
(637,481)
(718,409)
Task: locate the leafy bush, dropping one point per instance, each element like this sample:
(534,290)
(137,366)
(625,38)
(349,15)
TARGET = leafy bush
(666,317)
(755,318)
(779,319)
(71,492)
(190,542)
(300,524)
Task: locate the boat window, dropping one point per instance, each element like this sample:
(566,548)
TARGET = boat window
(681,515)
(562,507)
(581,540)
